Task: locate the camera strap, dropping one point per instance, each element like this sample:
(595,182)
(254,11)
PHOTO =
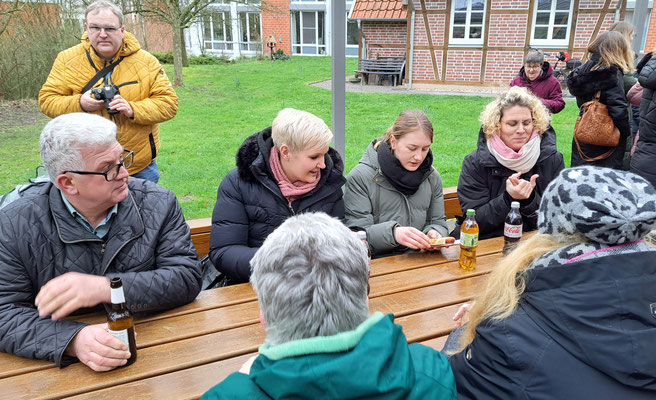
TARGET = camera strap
(99,73)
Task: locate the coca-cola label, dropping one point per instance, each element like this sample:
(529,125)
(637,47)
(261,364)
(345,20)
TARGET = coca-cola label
(512,231)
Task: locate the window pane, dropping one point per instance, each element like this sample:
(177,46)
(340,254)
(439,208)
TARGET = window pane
(541,32)
(254,27)
(476,19)
(563,4)
(459,18)
(217,20)
(207,29)
(309,50)
(296,29)
(297,49)
(228,27)
(561,18)
(477,5)
(544,4)
(308,20)
(352,32)
(208,45)
(542,18)
(351,51)
(458,32)
(321,28)
(460,5)
(244,29)
(559,32)
(475,32)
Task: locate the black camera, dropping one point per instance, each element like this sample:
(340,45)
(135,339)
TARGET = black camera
(106,93)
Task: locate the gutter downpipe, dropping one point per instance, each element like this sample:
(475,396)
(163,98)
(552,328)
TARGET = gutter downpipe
(412,42)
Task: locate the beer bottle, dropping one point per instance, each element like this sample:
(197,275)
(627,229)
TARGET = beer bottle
(468,241)
(120,320)
(512,229)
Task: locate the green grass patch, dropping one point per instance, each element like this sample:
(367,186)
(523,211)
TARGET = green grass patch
(220,105)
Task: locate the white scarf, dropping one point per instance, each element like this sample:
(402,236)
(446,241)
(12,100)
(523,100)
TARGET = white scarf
(522,160)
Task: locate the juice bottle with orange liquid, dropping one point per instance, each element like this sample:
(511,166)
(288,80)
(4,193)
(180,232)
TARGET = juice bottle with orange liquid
(468,241)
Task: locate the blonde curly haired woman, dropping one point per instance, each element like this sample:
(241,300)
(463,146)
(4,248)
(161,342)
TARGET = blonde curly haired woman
(515,160)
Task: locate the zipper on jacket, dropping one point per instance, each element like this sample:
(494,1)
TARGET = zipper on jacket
(291,209)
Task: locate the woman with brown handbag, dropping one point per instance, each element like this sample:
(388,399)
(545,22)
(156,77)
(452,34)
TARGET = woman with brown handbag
(610,57)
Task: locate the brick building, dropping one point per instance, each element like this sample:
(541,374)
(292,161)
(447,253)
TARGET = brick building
(481,42)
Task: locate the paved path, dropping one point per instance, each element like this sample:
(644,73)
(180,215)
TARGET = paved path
(422,88)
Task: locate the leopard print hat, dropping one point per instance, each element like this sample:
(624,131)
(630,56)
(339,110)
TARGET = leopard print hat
(604,205)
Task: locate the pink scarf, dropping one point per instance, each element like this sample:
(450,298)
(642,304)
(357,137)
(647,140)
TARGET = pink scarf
(520,161)
(290,190)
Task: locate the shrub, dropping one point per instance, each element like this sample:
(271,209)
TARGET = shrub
(209,60)
(164,58)
(280,55)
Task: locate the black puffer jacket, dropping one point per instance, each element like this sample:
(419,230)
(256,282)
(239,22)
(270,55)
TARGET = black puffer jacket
(250,205)
(583,83)
(482,185)
(644,159)
(148,246)
(581,331)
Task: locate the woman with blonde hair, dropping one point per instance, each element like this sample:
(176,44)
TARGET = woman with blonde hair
(570,313)
(394,193)
(610,58)
(515,160)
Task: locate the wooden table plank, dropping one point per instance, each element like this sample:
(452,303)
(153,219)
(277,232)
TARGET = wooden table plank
(437,343)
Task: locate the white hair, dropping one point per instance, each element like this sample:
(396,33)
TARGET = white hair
(104,5)
(299,130)
(311,277)
(63,137)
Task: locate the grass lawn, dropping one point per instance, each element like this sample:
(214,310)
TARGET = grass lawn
(220,105)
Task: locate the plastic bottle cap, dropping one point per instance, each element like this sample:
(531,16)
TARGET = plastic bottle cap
(514,204)
(362,235)
(471,211)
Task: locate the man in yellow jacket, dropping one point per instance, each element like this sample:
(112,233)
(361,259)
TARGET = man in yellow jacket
(110,59)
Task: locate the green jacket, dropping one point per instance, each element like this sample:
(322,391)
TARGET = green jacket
(374,361)
(371,202)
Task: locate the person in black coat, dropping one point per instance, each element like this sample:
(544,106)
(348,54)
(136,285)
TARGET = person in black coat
(515,160)
(610,58)
(281,171)
(643,161)
(570,313)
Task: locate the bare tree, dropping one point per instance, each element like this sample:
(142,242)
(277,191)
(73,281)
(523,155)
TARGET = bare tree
(5,15)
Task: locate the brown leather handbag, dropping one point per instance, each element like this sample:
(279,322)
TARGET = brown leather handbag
(595,126)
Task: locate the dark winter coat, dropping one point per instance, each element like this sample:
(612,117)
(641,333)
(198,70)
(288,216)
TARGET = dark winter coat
(148,246)
(644,158)
(250,205)
(482,185)
(581,331)
(545,86)
(583,83)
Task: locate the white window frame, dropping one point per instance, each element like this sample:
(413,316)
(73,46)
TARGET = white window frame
(467,40)
(552,15)
(250,46)
(316,44)
(227,43)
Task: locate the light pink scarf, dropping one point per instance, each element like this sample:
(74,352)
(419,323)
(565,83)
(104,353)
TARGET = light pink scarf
(519,161)
(290,190)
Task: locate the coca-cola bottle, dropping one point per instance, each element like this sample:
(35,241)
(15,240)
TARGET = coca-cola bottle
(512,230)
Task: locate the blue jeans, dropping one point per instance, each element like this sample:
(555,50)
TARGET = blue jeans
(150,173)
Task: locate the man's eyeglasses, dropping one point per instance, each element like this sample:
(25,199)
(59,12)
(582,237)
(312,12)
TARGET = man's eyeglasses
(533,67)
(112,172)
(109,30)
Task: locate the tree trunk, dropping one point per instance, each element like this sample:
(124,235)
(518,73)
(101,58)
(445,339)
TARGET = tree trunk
(185,60)
(177,54)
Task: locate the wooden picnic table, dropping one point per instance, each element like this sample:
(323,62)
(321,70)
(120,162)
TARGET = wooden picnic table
(185,351)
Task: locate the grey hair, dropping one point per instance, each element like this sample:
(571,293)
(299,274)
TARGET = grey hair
(299,130)
(63,137)
(311,278)
(534,57)
(104,5)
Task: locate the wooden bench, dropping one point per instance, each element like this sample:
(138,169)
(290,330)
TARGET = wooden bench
(391,67)
(200,228)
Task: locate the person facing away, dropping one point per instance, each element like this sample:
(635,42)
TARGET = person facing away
(282,171)
(394,192)
(537,76)
(570,313)
(643,160)
(62,242)
(515,160)
(610,56)
(146,96)
(311,276)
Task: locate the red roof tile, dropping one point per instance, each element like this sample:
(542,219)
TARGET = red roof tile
(379,9)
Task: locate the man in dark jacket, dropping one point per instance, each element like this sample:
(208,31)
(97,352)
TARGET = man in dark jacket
(537,76)
(61,244)
(644,159)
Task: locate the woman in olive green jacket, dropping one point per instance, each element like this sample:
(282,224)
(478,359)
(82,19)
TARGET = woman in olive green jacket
(394,193)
